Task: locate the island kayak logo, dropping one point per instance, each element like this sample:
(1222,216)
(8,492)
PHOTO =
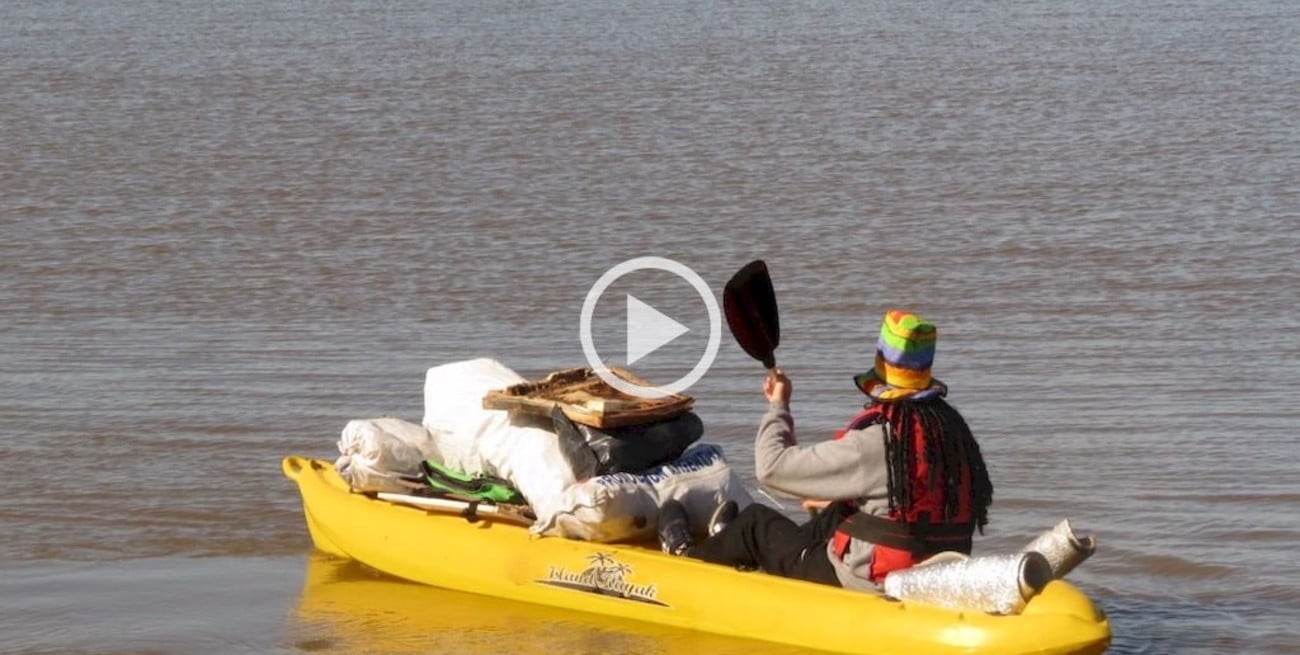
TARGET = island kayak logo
(605,576)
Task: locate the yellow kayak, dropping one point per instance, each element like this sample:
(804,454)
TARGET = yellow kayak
(497,557)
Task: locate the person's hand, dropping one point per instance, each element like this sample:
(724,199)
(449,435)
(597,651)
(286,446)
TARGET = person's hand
(814,505)
(776,386)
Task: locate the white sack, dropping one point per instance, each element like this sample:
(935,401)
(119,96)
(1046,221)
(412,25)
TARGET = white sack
(453,404)
(374,453)
(524,450)
(625,506)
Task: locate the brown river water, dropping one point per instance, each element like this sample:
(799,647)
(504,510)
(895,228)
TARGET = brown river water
(230,227)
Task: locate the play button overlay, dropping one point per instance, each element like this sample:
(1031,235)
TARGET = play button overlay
(649,329)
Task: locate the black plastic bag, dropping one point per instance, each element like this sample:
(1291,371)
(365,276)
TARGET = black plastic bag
(634,448)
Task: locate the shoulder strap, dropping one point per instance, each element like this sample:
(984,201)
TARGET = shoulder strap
(866,417)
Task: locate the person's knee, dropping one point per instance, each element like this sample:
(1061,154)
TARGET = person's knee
(757,511)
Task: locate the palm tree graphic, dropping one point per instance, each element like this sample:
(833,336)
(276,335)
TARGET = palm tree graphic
(605,570)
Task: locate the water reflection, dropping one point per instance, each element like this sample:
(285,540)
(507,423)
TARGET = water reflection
(348,608)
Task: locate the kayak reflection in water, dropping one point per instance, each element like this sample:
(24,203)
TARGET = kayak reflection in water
(904,479)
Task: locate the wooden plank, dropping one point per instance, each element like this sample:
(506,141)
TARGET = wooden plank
(587,399)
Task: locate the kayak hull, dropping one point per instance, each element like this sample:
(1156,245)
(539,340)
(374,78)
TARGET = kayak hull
(638,582)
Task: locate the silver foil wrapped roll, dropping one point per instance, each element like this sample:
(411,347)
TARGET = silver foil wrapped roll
(1063,548)
(996,584)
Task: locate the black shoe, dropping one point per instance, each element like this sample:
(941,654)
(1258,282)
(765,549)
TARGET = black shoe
(674,528)
(723,516)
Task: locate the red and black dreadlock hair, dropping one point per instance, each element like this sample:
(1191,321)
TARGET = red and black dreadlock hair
(948,447)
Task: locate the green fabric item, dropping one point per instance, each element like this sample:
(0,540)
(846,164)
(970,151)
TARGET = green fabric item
(481,487)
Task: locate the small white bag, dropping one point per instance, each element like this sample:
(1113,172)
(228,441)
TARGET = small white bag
(375,453)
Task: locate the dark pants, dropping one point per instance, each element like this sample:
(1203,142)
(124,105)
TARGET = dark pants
(761,537)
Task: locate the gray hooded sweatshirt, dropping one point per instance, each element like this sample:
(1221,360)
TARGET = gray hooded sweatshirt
(850,468)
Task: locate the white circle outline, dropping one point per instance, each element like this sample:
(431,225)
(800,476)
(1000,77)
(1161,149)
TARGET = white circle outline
(663,264)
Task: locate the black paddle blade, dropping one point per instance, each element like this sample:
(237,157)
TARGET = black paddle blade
(749,302)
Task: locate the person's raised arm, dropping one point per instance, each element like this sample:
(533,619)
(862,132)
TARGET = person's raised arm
(827,470)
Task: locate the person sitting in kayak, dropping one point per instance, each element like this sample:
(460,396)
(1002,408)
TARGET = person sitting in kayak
(902,481)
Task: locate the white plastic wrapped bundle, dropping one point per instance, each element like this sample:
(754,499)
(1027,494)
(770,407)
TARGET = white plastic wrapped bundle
(374,454)
(997,584)
(1063,548)
(625,506)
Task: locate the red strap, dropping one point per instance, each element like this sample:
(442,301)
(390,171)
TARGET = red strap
(883,558)
(840,542)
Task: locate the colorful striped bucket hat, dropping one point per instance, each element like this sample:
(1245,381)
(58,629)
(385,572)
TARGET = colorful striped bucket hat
(904,354)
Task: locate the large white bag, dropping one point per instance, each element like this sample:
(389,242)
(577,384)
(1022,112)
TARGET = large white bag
(625,506)
(375,453)
(453,405)
(524,450)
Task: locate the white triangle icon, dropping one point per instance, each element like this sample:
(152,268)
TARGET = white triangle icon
(648,329)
